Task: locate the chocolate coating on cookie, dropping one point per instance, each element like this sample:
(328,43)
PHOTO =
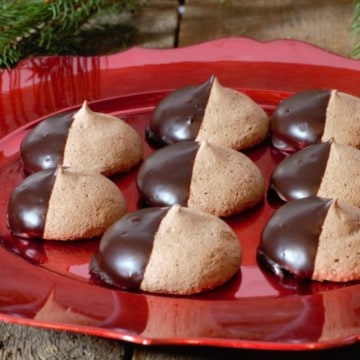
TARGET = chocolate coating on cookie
(125,249)
(164,178)
(290,239)
(43,148)
(179,115)
(300,174)
(28,205)
(299,120)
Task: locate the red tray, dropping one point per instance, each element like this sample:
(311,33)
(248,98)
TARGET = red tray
(46,284)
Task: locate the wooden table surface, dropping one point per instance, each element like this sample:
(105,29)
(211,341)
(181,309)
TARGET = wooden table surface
(325,23)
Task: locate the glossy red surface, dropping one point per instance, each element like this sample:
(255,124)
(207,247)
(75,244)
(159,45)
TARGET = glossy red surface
(47,284)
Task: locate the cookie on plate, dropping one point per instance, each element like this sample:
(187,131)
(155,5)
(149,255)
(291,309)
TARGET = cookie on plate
(313,238)
(64,204)
(82,139)
(214,179)
(211,112)
(313,116)
(166,250)
(327,170)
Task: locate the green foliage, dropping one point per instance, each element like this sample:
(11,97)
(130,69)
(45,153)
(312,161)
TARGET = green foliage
(36,27)
(355,27)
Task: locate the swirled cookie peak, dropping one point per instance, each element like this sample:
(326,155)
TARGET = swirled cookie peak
(102,142)
(232,119)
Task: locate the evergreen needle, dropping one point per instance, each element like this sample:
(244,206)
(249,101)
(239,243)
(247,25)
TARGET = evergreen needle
(36,27)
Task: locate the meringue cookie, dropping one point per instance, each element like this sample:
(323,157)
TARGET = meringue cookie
(84,139)
(210,112)
(173,250)
(211,178)
(313,238)
(313,116)
(327,170)
(64,204)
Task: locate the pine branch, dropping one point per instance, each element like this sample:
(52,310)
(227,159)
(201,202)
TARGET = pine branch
(355,28)
(37,27)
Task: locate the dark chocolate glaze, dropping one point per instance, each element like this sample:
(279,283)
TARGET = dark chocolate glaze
(164,177)
(299,175)
(43,148)
(290,239)
(28,204)
(125,249)
(299,120)
(179,115)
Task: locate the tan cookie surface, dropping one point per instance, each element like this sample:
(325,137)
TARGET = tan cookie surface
(192,252)
(83,204)
(102,142)
(232,119)
(338,253)
(341,178)
(343,119)
(224,182)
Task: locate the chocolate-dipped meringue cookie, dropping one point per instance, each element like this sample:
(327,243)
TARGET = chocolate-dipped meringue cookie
(326,170)
(82,139)
(201,175)
(173,250)
(313,238)
(64,204)
(210,112)
(313,116)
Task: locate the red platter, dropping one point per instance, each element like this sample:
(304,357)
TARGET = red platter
(46,284)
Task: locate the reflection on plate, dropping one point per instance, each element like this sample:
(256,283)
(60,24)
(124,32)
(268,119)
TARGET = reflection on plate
(47,283)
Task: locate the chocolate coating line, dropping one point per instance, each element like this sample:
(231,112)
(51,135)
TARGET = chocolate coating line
(164,178)
(299,120)
(290,239)
(125,248)
(28,204)
(179,115)
(299,175)
(44,146)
